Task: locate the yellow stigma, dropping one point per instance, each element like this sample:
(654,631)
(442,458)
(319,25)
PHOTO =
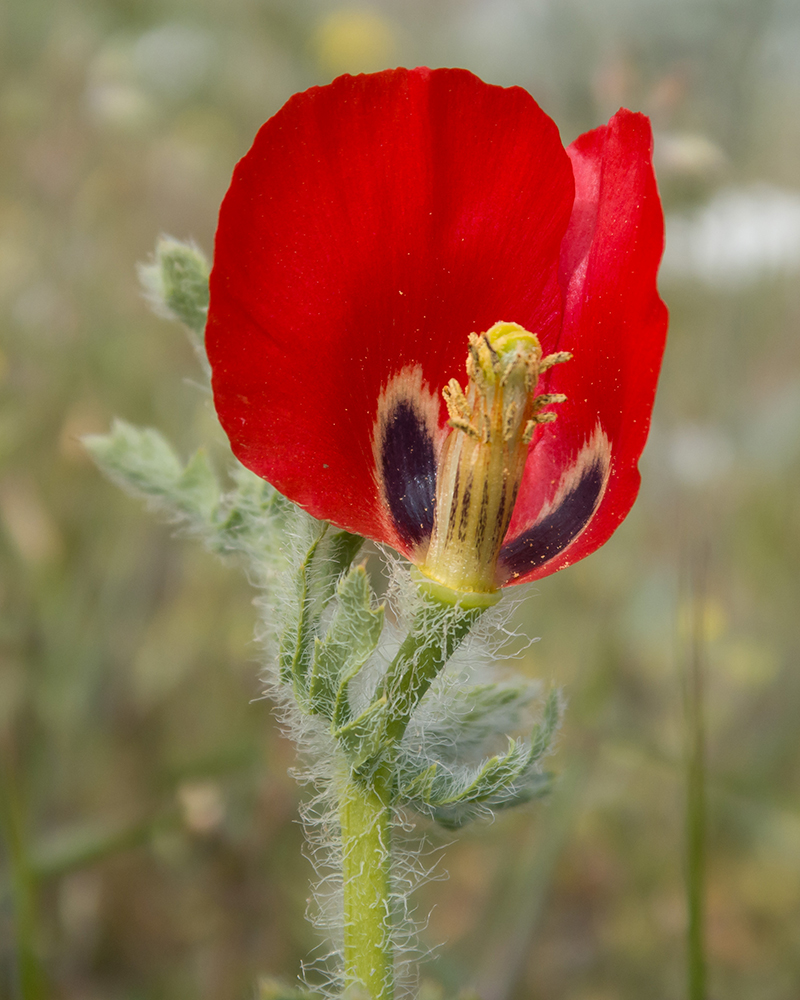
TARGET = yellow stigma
(484,455)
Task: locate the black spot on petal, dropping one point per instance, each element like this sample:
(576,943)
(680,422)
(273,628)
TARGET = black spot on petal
(408,470)
(545,539)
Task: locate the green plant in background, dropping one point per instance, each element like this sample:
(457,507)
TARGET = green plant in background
(403,715)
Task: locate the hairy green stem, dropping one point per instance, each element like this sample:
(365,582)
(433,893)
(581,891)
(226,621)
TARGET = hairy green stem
(365,812)
(365,820)
(439,627)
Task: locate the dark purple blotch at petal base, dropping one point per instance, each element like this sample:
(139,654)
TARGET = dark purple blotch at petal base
(557,529)
(374,225)
(407,463)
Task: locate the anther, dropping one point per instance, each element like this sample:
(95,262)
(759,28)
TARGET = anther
(457,405)
(554,359)
(547,398)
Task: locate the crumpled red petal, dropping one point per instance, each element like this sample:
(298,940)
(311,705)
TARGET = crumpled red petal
(374,224)
(615,324)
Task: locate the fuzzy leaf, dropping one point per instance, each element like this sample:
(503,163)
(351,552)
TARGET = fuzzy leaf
(176,283)
(453,816)
(462,721)
(420,786)
(543,731)
(453,795)
(350,640)
(436,633)
(493,776)
(297,640)
(325,554)
(198,489)
(249,520)
(143,462)
(252,521)
(340,550)
(362,738)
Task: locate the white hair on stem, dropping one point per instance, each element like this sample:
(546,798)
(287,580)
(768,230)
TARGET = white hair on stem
(435,733)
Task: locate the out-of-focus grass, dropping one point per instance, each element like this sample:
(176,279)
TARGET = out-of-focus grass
(152,813)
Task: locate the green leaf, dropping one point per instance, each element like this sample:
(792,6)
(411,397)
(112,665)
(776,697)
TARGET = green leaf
(297,640)
(139,460)
(484,782)
(252,520)
(324,554)
(455,794)
(341,549)
(143,462)
(542,734)
(437,631)
(362,739)
(464,718)
(176,283)
(197,487)
(351,639)
(419,787)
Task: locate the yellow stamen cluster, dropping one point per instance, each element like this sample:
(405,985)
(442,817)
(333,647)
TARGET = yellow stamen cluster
(483,458)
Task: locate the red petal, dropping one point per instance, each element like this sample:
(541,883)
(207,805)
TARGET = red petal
(615,325)
(374,224)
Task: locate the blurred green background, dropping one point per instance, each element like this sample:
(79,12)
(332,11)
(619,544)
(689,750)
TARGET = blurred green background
(150,849)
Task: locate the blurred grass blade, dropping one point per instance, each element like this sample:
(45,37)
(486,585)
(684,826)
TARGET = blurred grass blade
(695,753)
(85,844)
(30,978)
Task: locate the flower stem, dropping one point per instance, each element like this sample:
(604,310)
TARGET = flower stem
(365,813)
(365,819)
(444,619)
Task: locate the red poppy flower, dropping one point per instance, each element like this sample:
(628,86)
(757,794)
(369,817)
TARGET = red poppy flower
(376,224)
